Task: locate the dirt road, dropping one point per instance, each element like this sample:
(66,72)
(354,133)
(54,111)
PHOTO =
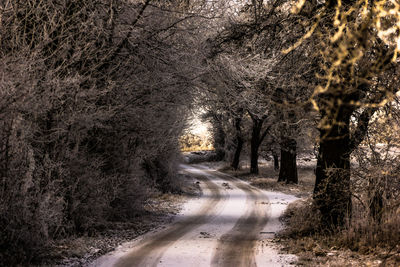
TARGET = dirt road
(229,225)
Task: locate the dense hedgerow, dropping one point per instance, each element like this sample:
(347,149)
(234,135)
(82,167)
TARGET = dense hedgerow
(93,95)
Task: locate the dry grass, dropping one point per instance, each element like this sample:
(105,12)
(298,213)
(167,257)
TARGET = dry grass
(361,243)
(79,251)
(158,210)
(268,177)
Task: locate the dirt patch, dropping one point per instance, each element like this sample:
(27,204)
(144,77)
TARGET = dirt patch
(205,235)
(226,186)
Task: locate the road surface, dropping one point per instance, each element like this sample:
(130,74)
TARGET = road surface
(231,224)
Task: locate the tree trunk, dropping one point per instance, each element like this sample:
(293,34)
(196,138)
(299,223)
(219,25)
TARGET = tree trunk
(376,205)
(255,144)
(219,139)
(332,185)
(238,150)
(239,145)
(288,171)
(276,160)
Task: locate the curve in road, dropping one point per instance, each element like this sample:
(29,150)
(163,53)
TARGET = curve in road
(222,228)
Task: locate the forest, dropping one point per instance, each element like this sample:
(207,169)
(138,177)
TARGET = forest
(96,98)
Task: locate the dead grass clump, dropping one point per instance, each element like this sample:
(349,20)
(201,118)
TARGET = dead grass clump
(306,236)
(366,235)
(302,219)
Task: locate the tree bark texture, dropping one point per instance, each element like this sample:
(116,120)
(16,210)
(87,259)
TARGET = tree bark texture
(276,160)
(219,141)
(332,185)
(288,170)
(239,145)
(255,144)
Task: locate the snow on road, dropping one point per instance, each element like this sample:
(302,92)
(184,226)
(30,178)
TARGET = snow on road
(229,225)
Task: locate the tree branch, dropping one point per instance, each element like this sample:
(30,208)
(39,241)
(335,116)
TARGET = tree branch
(362,128)
(251,115)
(128,36)
(264,134)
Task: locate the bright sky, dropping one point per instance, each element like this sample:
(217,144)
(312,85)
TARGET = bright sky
(199,128)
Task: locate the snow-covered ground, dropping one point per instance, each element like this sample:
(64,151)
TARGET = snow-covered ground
(231,224)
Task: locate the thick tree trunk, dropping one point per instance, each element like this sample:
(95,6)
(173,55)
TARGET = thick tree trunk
(288,171)
(332,186)
(255,144)
(239,145)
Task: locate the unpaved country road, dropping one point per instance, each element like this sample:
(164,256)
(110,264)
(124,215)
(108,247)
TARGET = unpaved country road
(229,225)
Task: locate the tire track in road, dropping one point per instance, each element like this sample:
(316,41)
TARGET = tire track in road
(237,247)
(150,252)
(221,228)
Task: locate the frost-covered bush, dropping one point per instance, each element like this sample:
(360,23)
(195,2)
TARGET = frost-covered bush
(90,91)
